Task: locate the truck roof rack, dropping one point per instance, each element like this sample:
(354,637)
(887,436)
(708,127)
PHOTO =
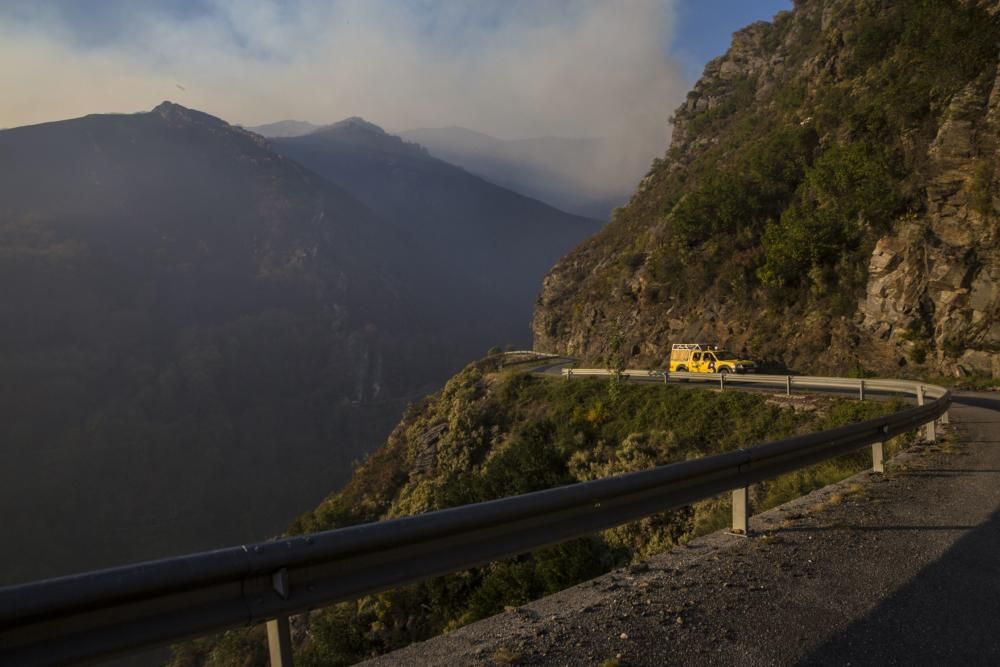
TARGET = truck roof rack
(690,346)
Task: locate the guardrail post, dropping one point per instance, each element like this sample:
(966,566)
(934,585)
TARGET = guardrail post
(788,385)
(722,381)
(878,460)
(279,642)
(930,432)
(568,374)
(665,374)
(741,511)
(944,417)
(861,391)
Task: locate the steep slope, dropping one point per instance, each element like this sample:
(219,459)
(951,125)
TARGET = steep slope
(197,337)
(481,246)
(828,201)
(583,176)
(489,434)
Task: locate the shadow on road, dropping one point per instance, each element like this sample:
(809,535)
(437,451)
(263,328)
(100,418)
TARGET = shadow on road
(872,529)
(946,472)
(949,614)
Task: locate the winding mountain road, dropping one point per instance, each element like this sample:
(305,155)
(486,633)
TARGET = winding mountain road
(894,569)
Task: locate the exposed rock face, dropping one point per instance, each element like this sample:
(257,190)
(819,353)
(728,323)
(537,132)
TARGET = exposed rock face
(939,276)
(915,292)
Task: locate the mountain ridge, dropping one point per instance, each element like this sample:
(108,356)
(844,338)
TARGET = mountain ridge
(180,291)
(566,172)
(494,243)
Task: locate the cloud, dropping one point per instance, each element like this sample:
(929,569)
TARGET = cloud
(512,68)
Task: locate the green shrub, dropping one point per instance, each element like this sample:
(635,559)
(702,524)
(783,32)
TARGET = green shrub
(849,191)
(736,202)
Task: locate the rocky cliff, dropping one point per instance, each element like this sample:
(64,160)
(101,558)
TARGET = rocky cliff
(828,202)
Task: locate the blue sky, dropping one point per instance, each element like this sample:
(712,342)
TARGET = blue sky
(705,27)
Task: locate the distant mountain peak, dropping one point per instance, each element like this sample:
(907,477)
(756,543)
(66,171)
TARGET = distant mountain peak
(175,113)
(359,132)
(359,123)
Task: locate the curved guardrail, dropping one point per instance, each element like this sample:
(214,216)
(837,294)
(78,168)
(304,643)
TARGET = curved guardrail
(99,614)
(521,357)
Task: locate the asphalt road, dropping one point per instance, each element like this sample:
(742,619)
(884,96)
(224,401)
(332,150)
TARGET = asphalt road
(895,569)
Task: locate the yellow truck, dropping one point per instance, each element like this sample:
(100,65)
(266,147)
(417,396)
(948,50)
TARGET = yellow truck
(702,358)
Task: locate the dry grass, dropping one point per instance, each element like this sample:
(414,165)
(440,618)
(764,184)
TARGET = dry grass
(505,656)
(855,490)
(770,539)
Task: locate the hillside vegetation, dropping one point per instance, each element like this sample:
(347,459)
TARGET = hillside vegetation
(491,434)
(829,201)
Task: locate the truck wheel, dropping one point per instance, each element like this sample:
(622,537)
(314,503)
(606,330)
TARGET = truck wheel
(725,370)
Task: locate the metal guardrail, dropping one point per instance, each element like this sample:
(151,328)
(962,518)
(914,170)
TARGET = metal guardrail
(521,357)
(533,353)
(99,614)
(788,382)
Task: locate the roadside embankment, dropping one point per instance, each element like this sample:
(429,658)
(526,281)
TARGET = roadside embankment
(900,568)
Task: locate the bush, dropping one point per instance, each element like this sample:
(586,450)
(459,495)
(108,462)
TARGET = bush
(850,191)
(736,203)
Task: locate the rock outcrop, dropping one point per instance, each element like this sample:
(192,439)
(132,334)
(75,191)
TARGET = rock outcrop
(934,284)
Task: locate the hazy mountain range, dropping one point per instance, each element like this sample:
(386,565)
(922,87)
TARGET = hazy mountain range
(574,174)
(495,243)
(188,319)
(199,334)
(580,175)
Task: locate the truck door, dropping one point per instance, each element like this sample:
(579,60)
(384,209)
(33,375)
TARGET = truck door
(695,366)
(710,362)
